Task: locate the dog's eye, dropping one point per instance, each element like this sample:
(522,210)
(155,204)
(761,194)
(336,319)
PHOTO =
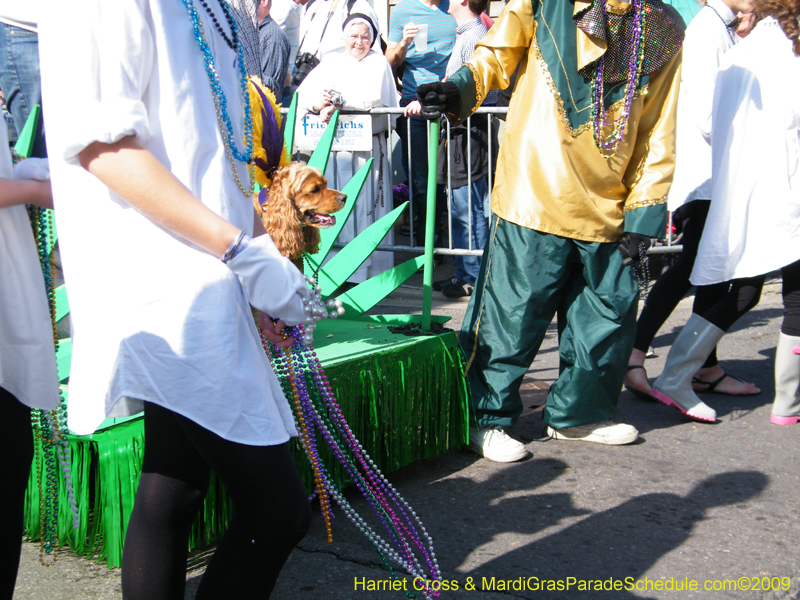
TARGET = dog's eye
(315,190)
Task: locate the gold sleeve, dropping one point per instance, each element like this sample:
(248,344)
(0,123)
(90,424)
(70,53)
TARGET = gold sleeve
(649,172)
(496,56)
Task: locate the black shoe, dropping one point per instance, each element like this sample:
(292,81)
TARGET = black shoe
(458,289)
(443,283)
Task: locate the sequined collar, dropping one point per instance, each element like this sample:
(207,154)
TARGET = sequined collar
(613,37)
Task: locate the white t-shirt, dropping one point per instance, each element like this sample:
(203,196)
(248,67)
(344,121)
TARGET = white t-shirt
(154,318)
(27,355)
(19,13)
(753,224)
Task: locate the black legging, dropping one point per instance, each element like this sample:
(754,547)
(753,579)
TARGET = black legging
(743,295)
(271,512)
(16,454)
(791,299)
(673,285)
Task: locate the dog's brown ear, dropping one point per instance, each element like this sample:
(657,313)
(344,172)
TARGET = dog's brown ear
(311,239)
(257,204)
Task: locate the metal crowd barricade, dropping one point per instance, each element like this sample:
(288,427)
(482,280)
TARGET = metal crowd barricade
(416,238)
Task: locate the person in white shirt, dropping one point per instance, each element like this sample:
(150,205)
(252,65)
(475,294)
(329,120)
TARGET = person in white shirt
(753,224)
(755,154)
(28,377)
(151,187)
(708,37)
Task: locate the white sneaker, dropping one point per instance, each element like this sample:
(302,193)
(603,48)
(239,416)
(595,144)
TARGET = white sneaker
(496,445)
(604,432)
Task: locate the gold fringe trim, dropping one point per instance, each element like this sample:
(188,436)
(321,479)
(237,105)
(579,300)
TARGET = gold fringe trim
(562,113)
(480,92)
(645,203)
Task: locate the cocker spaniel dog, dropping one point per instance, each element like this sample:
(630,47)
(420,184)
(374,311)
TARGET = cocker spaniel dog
(295,207)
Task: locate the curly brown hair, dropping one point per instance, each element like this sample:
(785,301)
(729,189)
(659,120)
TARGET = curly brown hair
(786,12)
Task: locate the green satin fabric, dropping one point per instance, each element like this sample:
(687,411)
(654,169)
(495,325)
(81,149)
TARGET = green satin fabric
(647,220)
(526,278)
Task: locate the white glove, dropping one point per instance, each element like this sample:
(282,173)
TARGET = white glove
(274,285)
(32,168)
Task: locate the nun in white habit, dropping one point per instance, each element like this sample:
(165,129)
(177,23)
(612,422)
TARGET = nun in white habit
(364,80)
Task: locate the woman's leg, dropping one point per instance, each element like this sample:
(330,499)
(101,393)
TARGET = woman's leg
(16,449)
(743,295)
(667,291)
(705,298)
(711,375)
(791,299)
(271,514)
(786,406)
(696,340)
(173,484)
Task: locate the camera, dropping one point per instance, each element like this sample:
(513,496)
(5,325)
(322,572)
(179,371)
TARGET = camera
(336,98)
(304,63)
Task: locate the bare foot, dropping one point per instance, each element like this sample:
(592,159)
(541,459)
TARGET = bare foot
(636,378)
(704,382)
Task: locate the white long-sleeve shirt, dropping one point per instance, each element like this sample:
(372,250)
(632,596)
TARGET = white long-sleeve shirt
(708,38)
(753,224)
(154,318)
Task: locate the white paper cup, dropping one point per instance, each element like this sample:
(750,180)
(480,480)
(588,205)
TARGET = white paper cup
(421,39)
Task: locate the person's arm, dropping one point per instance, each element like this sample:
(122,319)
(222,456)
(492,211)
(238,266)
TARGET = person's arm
(26,191)
(396,51)
(136,176)
(273,284)
(494,61)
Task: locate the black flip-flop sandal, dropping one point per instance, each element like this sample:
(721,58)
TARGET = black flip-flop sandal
(711,386)
(632,388)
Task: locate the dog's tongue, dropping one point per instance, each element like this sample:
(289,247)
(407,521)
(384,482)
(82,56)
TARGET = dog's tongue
(325,220)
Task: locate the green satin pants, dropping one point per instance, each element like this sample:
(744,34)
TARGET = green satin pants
(526,277)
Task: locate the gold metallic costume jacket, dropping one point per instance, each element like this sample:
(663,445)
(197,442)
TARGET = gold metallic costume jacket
(551,176)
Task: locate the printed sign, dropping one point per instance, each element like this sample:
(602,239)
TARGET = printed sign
(353,133)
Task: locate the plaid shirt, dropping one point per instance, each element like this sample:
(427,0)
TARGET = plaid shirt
(467,35)
(275,50)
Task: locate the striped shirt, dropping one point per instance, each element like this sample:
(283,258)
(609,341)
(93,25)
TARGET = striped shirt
(467,35)
(431,65)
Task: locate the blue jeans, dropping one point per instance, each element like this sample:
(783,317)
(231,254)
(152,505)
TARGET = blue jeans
(467,266)
(19,77)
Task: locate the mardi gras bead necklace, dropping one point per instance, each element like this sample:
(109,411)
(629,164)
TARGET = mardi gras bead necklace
(50,427)
(608,145)
(233,41)
(221,101)
(319,416)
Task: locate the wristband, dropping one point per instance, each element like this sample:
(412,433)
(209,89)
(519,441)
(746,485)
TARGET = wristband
(240,243)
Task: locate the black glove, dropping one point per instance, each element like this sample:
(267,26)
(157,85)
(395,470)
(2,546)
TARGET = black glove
(437,98)
(633,247)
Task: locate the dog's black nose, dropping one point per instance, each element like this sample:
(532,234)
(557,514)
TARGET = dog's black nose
(342,198)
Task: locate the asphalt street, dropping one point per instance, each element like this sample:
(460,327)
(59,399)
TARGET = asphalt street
(687,509)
